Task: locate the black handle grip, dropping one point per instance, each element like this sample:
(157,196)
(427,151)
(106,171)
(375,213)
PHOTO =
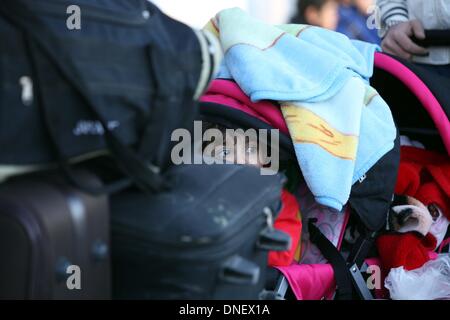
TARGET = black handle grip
(434,38)
(273,240)
(238,270)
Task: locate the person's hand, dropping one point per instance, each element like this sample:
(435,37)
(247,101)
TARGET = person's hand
(398,40)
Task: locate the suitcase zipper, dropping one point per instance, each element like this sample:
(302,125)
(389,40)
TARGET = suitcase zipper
(173,250)
(223,237)
(193,253)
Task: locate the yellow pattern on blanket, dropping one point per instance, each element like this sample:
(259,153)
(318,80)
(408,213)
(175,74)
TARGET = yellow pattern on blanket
(306,127)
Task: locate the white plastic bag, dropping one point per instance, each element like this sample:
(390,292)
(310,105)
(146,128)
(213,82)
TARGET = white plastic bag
(430,282)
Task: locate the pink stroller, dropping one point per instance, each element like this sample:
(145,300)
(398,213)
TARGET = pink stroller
(420,103)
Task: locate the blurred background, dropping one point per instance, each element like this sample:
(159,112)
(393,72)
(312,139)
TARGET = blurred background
(350,17)
(197,12)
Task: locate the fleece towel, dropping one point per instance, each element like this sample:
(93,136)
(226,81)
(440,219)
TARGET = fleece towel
(340,126)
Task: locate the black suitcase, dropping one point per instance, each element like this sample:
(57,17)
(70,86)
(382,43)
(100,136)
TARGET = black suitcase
(207,238)
(54,239)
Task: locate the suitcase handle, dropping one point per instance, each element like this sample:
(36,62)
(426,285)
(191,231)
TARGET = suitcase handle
(274,240)
(238,270)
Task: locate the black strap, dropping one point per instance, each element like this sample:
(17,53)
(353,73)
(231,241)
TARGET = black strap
(331,253)
(174,99)
(174,106)
(170,105)
(130,162)
(361,249)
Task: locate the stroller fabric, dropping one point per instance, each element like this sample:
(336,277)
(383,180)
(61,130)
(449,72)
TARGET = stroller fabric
(228,93)
(370,197)
(418,97)
(310,281)
(289,221)
(340,126)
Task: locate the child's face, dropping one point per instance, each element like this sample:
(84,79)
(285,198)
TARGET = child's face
(238,149)
(363,5)
(328,16)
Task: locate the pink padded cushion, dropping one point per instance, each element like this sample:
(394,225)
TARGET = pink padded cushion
(228,93)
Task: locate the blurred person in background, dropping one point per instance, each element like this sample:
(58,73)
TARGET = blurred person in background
(353,17)
(403,19)
(321,13)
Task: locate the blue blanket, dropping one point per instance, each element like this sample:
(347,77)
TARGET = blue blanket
(340,126)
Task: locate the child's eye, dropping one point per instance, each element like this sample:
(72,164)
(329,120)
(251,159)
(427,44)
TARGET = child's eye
(223,152)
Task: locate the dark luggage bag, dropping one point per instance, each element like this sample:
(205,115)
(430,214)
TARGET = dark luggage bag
(118,85)
(54,239)
(208,238)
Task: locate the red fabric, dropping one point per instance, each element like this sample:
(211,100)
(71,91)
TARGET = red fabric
(290,222)
(425,175)
(409,250)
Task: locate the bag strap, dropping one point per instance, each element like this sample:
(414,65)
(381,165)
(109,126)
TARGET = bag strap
(170,106)
(361,249)
(143,174)
(331,253)
(175,89)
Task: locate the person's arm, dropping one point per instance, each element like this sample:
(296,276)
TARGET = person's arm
(397,30)
(392,12)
